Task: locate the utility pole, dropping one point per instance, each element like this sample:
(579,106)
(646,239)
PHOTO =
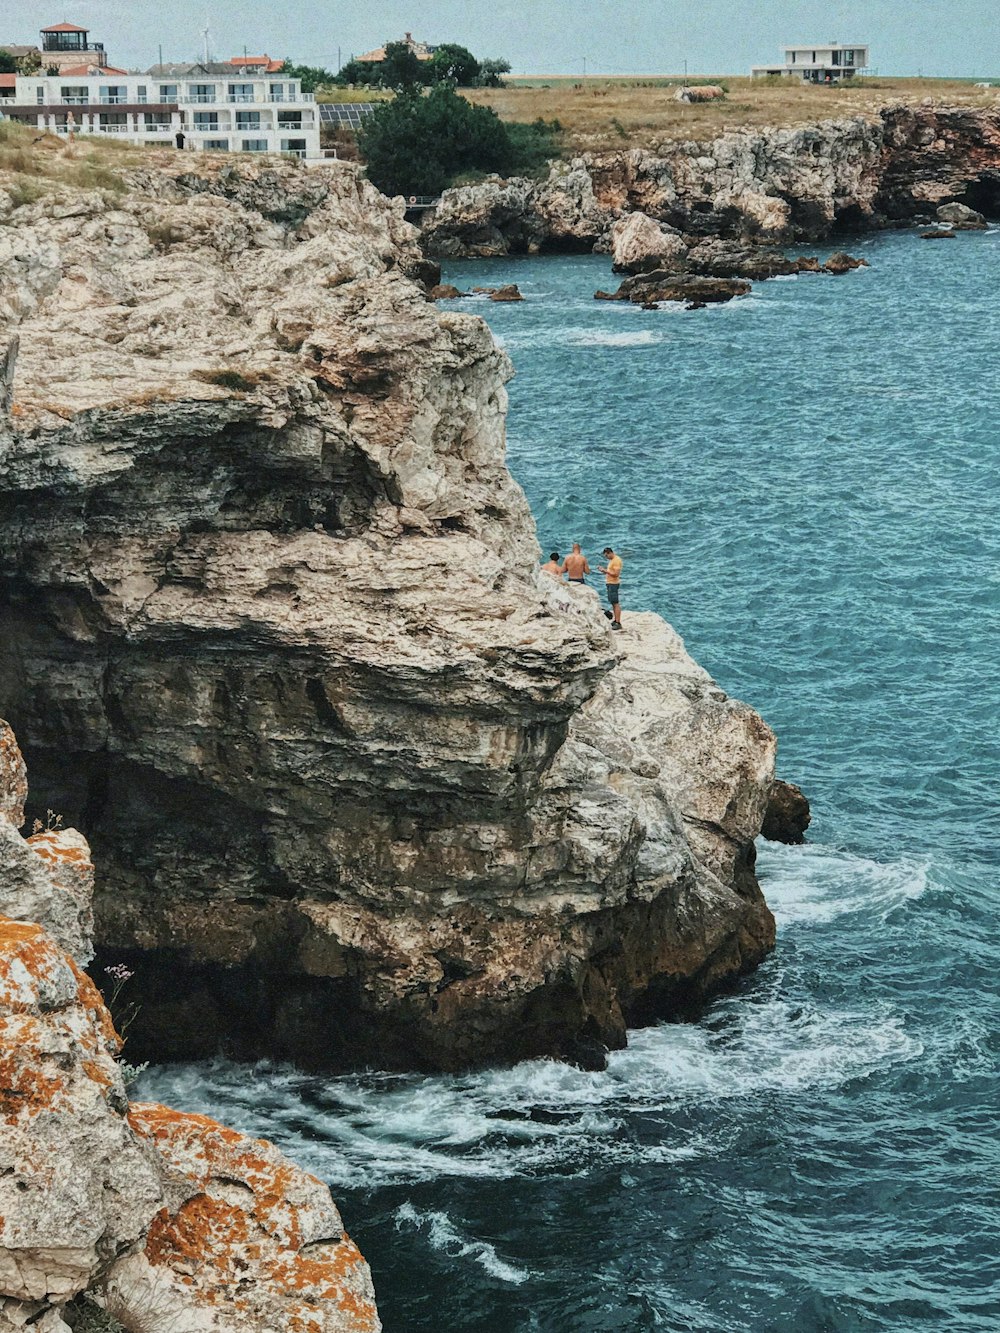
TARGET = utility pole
(338,59)
(685,69)
(160,49)
(584,66)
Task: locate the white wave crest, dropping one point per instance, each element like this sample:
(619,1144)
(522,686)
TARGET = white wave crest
(813,885)
(601,338)
(444,1236)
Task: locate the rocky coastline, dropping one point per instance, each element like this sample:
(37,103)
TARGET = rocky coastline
(118,1215)
(767,187)
(363,787)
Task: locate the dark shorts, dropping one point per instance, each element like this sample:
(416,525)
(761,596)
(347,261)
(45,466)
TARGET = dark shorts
(613,593)
(577,580)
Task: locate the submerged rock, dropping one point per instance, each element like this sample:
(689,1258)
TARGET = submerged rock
(660,285)
(939,234)
(841,262)
(444,291)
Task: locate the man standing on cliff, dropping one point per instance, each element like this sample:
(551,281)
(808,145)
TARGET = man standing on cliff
(612,572)
(575,565)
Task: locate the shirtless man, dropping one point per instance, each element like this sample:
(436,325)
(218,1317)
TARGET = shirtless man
(552,566)
(612,572)
(575,565)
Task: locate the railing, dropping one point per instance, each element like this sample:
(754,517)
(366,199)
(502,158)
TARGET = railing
(206,127)
(241,97)
(113,129)
(73,101)
(201,97)
(289,124)
(113,101)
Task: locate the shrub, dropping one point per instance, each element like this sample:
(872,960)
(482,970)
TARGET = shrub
(419,144)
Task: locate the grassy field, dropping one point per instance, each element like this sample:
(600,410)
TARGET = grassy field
(604,114)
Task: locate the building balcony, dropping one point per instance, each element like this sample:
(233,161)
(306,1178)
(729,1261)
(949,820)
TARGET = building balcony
(203,98)
(113,129)
(241,97)
(74,101)
(114,101)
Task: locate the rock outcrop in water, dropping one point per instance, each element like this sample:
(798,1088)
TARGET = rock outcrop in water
(362,785)
(762,186)
(167,1221)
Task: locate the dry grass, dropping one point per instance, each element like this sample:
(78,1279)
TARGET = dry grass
(35,162)
(601,115)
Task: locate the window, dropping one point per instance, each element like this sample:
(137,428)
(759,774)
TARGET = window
(168,92)
(248,120)
(289,120)
(203,92)
(217,145)
(206,120)
(114,94)
(40,94)
(157,120)
(255,145)
(140,94)
(113,122)
(241,92)
(280,93)
(73,94)
(296,146)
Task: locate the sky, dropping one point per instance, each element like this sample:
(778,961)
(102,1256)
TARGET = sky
(956,38)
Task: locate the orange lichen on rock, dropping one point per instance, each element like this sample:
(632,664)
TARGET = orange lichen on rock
(52,845)
(26,1087)
(250,1235)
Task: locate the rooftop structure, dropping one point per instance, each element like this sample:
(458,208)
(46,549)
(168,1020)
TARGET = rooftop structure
(212,109)
(261,64)
(830,62)
(420,49)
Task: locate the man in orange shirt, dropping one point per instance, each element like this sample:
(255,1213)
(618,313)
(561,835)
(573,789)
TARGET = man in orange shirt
(612,572)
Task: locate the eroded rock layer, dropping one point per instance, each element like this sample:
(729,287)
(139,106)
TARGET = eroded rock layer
(362,785)
(760,186)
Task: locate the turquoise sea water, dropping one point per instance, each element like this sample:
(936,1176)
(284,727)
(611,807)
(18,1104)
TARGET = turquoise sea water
(804,484)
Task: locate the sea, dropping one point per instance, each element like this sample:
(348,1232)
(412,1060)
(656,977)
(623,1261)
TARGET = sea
(804,482)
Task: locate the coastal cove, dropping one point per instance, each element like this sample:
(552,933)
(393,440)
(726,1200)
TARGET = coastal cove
(803,484)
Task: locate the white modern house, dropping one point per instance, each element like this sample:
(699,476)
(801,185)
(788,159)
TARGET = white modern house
(829,62)
(201,107)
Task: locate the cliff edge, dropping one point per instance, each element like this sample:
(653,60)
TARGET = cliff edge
(364,787)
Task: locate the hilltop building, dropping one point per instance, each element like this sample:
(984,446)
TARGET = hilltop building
(63,46)
(420,49)
(258,64)
(215,106)
(829,63)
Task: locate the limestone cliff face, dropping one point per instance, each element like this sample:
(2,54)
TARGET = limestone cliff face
(755,185)
(166,1221)
(362,785)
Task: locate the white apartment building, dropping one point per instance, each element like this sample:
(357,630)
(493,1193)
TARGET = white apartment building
(830,62)
(208,107)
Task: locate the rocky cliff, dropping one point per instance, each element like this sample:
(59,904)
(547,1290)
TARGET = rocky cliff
(771,186)
(133,1216)
(363,785)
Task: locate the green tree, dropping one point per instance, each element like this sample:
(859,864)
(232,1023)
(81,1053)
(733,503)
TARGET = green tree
(418,144)
(454,64)
(310,76)
(401,68)
(357,71)
(491,72)
(8,65)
